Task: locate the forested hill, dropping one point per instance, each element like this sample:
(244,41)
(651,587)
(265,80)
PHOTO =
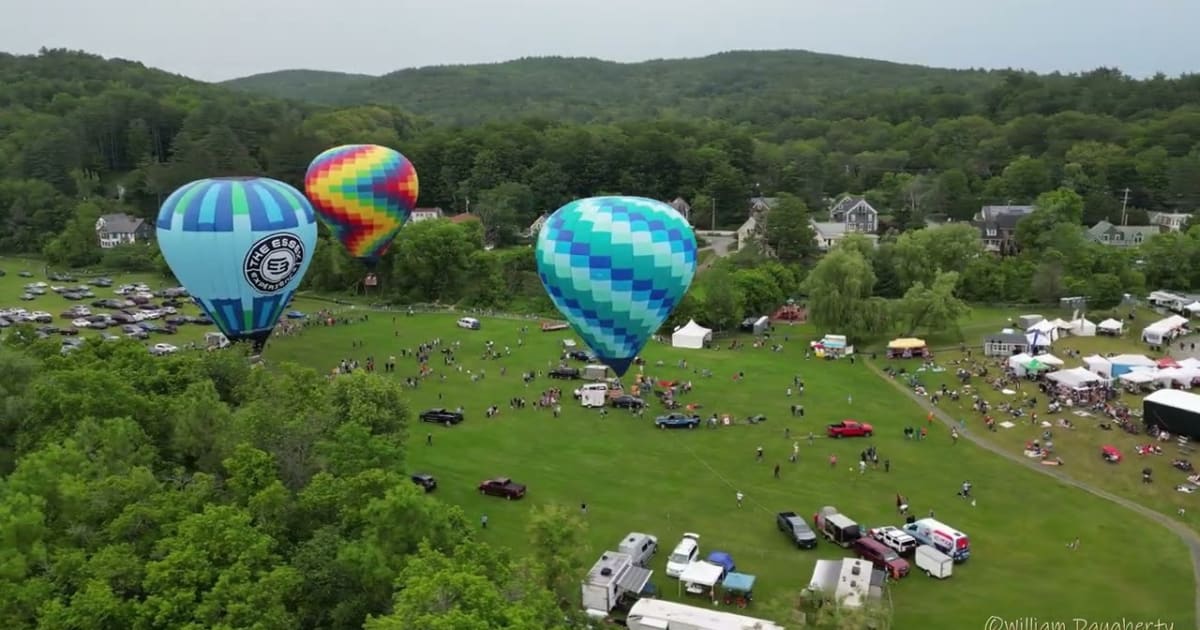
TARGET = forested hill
(754,86)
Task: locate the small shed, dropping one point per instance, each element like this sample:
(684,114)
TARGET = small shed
(1005,343)
(1027,321)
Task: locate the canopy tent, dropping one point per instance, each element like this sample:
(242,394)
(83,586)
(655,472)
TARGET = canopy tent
(1075,378)
(1049,359)
(906,343)
(1038,339)
(1192,308)
(1110,326)
(1036,366)
(1098,365)
(1190,363)
(1123,363)
(701,577)
(1179,376)
(1061,324)
(1045,327)
(1163,330)
(1166,362)
(1017,363)
(1138,377)
(691,335)
(1082,327)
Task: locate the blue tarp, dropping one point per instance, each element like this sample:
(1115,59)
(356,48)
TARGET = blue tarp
(740,582)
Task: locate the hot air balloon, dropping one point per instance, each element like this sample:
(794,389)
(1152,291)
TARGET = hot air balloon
(240,246)
(616,267)
(364,193)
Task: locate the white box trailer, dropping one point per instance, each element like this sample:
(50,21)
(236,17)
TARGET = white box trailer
(656,614)
(934,563)
(612,578)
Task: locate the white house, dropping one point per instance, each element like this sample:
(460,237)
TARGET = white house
(829,234)
(425,214)
(121,229)
(856,213)
(1170,221)
(747,232)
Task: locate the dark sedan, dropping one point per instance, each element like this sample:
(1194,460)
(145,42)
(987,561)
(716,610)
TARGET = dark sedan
(428,482)
(442,416)
(565,373)
(625,401)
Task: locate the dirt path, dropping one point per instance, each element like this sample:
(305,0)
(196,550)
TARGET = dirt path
(1189,537)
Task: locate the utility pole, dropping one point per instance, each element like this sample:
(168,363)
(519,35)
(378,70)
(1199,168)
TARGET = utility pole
(1124,206)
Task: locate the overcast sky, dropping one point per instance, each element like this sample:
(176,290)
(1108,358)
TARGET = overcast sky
(224,39)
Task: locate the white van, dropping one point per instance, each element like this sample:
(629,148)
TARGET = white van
(934,563)
(686,552)
(593,395)
(942,537)
(470,323)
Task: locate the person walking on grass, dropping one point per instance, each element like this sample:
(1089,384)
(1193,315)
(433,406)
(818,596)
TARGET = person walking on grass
(739,496)
(776,471)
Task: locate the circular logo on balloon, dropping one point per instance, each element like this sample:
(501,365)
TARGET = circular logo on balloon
(273,261)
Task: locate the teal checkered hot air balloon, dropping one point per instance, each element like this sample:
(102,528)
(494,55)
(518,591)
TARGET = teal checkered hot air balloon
(616,267)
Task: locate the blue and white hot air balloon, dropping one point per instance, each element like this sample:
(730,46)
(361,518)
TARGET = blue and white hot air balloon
(616,267)
(240,246)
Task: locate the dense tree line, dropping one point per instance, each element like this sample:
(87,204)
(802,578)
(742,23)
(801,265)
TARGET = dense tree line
(85,136)
(193,491)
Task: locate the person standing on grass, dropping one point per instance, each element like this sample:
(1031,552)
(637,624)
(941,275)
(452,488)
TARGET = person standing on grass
(483,521)
(739,496)
(776,471)
(428,439)
(833,461)
(954,436)
(758,454)
(795,452)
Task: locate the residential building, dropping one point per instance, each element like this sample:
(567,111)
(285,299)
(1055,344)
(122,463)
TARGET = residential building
(681,206)
(747,232)
(1122,235)
(998,227)
(121,229)
(762,204)
(425,214)
(829,234)
(856,213)
(1170,221)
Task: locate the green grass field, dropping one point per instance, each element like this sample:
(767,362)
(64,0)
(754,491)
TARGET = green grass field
(636,478)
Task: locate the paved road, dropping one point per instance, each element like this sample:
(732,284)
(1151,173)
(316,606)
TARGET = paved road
(1187,534)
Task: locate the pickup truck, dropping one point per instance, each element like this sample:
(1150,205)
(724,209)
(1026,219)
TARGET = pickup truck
(502,487)
(796,529)
(850,428)
(677,421)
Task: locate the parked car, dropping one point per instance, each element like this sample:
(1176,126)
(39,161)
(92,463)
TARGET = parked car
(502,487)
(469,323)
(442,416)
(677,421)
(796,529)
(895,538)
(686,552)
(428,482)
(162,348)
(850,428)
(564,373)
(625,401)
(578,355)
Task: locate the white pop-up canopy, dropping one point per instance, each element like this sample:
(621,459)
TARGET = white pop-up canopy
(1139,377)
(1077,378)
(1083,328)
(1111,325)
(1046,327)
(1192,308)
(1049,359)
(1098,365)
(691,335)
(702,574)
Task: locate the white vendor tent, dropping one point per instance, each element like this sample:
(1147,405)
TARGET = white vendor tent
(1110,326)
(1098,365)
(1138,377)
(1038,340)
(1046,327)
(1049,359)
(1179,376)
(1123,363)
(1017,362)
(1075,378)
(701,576)
(1192,308)
(691,335)
(1083,328)
(1061,324)
(1190,362)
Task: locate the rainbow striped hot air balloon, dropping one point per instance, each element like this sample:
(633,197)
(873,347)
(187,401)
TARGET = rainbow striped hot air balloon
(240,246)
(364,193)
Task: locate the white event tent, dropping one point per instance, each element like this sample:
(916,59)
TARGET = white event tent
(1083,328)
(1075,378)
(691,335)
(1110,326)
(1098,365)
(1045,327)
(1123,363)
(1163,330)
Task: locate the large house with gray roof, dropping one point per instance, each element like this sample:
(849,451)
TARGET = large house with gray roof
(1106,233)
(998,227)
(121,229)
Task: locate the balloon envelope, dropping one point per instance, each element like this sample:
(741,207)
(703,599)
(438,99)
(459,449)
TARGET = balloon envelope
(616,267)
(240,246)
(364,193)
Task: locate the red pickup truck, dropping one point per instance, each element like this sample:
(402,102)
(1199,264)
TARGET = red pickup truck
(850,428)
(502,487)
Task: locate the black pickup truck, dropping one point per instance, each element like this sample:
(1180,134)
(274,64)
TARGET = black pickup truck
(796,529)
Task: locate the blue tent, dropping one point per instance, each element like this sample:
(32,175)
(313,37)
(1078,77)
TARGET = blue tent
(723,560)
